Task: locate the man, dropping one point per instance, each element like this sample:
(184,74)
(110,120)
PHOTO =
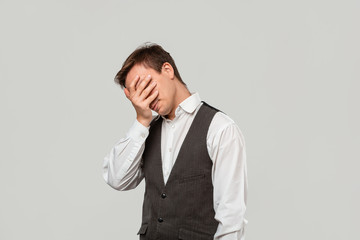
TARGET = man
(191,155)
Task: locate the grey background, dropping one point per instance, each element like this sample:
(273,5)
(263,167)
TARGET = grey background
(286,71)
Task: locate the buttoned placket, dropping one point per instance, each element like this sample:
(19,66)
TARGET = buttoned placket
(170,126)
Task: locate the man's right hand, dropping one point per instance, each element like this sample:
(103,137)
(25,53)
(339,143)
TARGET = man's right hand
(141,95)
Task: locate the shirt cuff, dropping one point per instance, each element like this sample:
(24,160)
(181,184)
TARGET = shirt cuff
(138,132)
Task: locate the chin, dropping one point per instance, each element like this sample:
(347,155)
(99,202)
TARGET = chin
(159,112)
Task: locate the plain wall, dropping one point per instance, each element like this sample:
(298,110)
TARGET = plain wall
(286,71)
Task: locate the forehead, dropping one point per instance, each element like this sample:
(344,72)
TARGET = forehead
(140,70)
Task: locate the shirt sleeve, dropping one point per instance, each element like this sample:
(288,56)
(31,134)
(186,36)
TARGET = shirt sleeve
(226,147)
(121,168)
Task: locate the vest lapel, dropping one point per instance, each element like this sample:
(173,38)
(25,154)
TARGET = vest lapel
(182,150)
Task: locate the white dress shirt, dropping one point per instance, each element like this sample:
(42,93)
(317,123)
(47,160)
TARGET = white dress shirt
(226,148)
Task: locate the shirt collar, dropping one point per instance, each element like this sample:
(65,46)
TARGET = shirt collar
(188,105)
(191,103)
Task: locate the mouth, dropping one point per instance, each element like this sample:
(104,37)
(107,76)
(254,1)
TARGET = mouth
(155,107)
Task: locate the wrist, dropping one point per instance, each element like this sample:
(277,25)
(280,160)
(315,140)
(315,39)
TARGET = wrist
(144,121)
(138,132)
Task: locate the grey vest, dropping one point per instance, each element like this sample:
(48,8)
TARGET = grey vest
(183,208)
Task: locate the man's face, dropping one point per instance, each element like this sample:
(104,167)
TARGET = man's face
(165,86)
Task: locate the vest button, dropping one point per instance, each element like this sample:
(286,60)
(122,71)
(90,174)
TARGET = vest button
(163,195)
(160,219)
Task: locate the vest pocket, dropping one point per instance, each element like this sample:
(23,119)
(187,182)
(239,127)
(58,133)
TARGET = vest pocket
(192,178)
(185,234)
(142,229)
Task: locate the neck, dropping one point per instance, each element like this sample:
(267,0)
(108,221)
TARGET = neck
(181,94)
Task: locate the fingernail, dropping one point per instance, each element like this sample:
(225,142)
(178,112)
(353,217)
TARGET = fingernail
(149,76)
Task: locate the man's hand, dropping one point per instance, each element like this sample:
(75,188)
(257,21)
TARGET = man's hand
(141,95)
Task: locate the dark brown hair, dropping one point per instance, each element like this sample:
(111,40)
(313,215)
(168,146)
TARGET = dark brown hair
(150,55)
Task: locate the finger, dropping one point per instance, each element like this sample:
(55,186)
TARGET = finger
(133,83)
(148,90)
(138,83)
(142,78)
(152,97)
(153,103)
(143,85)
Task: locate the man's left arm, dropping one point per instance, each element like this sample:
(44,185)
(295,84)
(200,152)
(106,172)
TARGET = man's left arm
(226,148)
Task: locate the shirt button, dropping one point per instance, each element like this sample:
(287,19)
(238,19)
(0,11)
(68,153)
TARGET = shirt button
(169,149)
(163,195)
(143,135)
(172,126)
(160,220)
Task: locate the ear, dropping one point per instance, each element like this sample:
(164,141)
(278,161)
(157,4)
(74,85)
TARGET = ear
(168,70)
(127,93)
